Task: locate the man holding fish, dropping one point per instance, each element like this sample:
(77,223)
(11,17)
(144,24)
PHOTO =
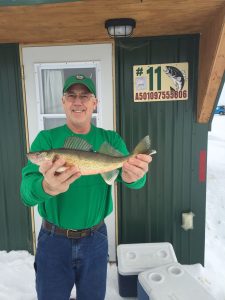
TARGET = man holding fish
(69,175)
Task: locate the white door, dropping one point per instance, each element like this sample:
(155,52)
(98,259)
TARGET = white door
(46,66)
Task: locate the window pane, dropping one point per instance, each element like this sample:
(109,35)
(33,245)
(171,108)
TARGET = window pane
(50,123)
(94,121)
(53,122)
(52,86)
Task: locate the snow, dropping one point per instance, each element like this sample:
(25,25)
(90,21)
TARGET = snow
(222,96)
(215,205)
(17,278)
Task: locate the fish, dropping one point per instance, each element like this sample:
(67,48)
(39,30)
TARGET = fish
(78,152)
(177,77)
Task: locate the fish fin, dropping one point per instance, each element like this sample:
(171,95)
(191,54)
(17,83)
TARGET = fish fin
(74,142)
(110,176)
(152,152)
(109,150)
(143,147)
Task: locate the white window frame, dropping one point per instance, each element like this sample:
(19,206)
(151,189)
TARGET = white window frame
(38,67)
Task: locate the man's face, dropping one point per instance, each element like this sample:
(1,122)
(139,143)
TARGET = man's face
(79,104)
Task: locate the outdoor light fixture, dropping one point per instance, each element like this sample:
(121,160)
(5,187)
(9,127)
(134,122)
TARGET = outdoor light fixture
(120,27)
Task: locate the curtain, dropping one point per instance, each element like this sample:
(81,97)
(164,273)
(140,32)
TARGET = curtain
(53,81)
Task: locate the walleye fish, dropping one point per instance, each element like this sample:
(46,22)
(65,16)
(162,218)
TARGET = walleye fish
(177,77)
(77,152)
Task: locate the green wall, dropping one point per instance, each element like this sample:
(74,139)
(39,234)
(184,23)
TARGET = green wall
(15,223)
(153,214)
(32,2)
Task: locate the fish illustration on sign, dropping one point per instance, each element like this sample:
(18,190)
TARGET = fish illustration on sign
(77,152)
(177,77)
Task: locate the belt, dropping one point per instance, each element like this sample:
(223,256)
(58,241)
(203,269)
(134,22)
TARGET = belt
(70,233)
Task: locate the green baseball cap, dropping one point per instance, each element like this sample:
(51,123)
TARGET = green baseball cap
(81,79)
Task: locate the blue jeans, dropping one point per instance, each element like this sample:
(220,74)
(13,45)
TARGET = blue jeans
(61,262)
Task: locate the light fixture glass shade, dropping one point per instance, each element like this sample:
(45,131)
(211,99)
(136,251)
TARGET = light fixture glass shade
(120,27)
(120,31)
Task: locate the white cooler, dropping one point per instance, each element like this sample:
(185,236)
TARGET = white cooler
(136,258)
(170,282)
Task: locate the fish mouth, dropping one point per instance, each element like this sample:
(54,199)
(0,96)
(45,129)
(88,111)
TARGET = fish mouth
(32,156)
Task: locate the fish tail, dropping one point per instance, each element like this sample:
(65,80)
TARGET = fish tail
(143,147)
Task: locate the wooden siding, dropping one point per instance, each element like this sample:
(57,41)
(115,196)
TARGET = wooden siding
(211,65)
(83,22)
(31,2)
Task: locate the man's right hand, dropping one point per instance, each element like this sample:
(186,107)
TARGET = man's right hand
(56,183)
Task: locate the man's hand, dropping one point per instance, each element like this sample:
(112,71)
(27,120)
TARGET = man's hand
(56,183)
(135,168)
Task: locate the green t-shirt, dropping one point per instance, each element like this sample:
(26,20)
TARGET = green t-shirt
(88,200)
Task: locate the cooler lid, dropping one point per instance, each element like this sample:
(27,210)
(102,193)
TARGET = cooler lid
(172,282)
(136,258)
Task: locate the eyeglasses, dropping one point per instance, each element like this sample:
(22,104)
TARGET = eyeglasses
(71,97)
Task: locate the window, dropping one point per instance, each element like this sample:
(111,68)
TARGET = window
(49,80)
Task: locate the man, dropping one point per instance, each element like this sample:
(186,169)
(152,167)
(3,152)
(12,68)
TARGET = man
(72,244)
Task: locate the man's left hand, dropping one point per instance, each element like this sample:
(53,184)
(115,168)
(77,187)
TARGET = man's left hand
(135,168)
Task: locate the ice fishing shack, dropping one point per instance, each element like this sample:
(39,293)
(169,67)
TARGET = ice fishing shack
(158,67)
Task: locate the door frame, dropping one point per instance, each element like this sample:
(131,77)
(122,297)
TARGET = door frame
(104,53)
